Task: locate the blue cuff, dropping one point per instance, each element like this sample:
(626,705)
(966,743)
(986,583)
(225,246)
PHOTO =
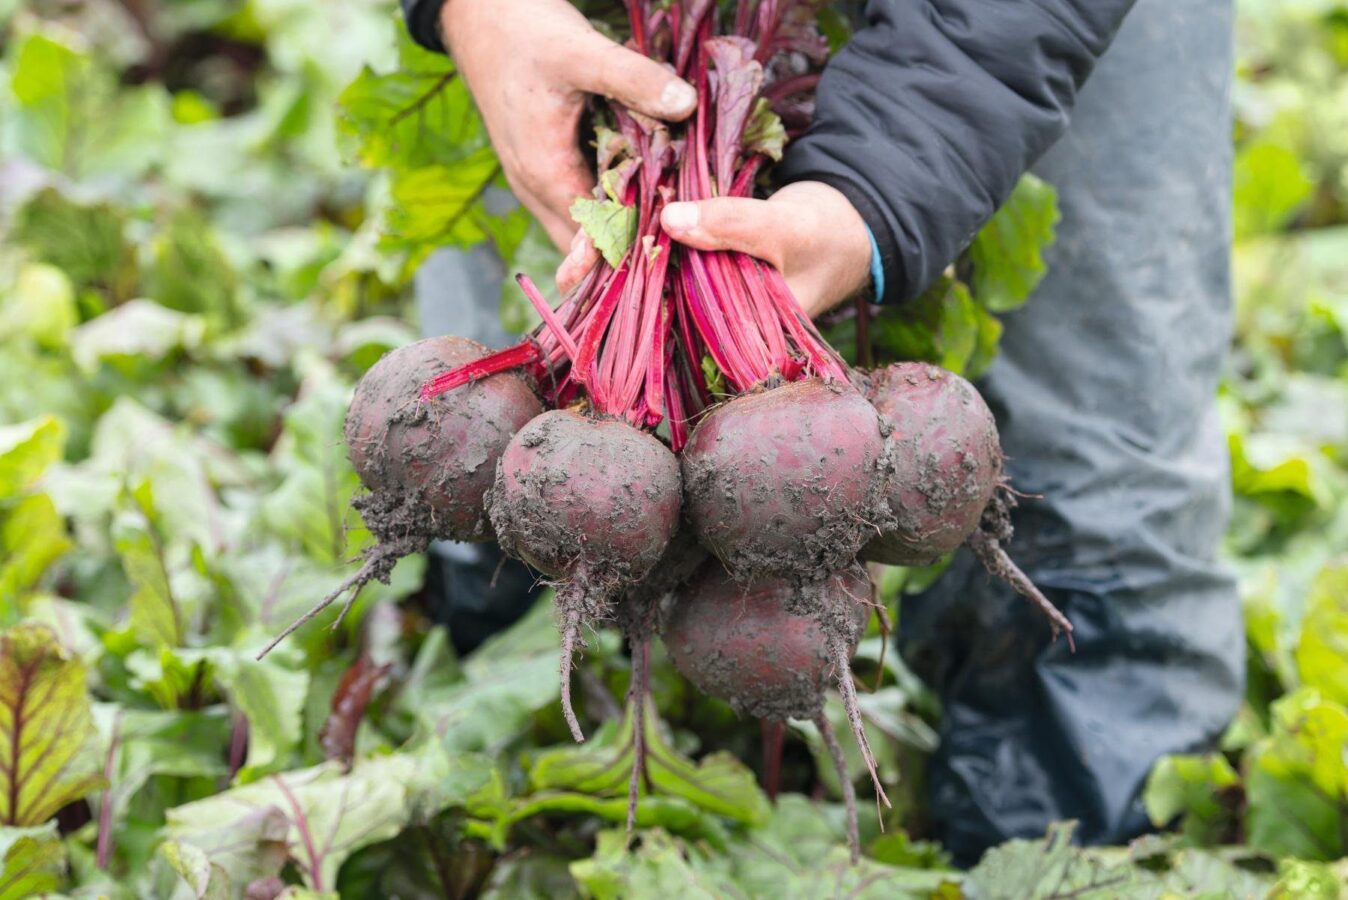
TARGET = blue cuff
(877,268)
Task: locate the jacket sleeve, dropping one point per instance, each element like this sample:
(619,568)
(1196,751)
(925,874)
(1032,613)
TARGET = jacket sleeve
(421,17)
(932,112)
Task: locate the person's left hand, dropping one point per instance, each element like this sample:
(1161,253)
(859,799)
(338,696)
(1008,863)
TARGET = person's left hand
(808,230)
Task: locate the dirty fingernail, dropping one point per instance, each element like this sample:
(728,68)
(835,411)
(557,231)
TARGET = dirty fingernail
(681,216)
(678,98)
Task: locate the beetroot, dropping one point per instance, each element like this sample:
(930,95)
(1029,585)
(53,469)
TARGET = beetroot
(947,461)
(427,464)
(431,462)
(786,481)
(770,649)
(592,502)
(762,647)
(947,485)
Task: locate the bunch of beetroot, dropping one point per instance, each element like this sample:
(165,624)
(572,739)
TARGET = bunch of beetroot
(675,446)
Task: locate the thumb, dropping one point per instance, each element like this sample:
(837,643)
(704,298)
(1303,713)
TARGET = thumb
(637,82)
(727,223)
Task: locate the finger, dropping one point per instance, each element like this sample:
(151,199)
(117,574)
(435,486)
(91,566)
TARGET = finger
(577,264)
(750,226)
(601,66)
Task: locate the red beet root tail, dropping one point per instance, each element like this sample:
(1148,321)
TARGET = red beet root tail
(987,544)
(840,653)
(995,559)
(570,638)
(378,566)
(641,674)
(849,792)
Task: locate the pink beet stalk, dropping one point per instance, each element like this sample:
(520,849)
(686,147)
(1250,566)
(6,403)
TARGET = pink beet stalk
(633,340)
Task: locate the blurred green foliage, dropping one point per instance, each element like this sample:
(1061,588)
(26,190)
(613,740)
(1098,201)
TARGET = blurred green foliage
(211,209)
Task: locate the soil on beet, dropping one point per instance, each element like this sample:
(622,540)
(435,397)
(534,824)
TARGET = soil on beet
(641,608)
(591,502)
(767,648)
(429,463)
(788,481)
(947,462)
(583,497)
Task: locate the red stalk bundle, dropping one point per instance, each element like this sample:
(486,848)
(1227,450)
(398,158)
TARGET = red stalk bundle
(648,340)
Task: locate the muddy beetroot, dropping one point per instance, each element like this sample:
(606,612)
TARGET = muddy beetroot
(428,464)
(947,460)
(591,502)
(769,649)
(762,647)
(786,481)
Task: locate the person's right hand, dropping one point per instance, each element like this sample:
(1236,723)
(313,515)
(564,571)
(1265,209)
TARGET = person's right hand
(529,65)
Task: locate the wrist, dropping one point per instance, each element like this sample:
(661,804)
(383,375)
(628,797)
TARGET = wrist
(453,19)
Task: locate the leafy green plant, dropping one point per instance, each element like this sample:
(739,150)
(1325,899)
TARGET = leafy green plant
(200,258)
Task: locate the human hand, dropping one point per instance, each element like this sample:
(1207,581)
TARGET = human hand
(808,230)
(529,65)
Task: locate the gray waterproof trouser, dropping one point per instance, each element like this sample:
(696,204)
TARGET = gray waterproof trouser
(1105,396)
(1104,393)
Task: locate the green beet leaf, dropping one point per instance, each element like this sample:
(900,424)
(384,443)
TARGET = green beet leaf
(34,861)
(1298,784)
(611,226)
(206,880)
(1007,254)
(1192,787)
(1322,652)
(314,817)
(51,755)
(719,783)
